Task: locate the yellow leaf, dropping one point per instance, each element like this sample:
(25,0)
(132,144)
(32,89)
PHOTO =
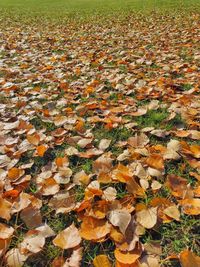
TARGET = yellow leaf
(68,238)
(101,261)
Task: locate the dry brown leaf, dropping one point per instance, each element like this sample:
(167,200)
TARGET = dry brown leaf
(5,209)
(45,231)
(195,149)
(109,194)
(122,173)
(31,217)
(84,142)
(62,202)
(119,264)
(81,178)
(103,164)
(49,187)
(138,140)
(63,176)
(179,186)
(41,150)
(134,188)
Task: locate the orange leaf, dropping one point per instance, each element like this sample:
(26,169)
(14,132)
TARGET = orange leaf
(190,206)
(119,264)
(14,174)
(155,161)
(41,150)
(33,139)
(101,261)
(11,194)
(128,257)
(195,149)
(94,229)
(122,174)
(188,258)
(61,161)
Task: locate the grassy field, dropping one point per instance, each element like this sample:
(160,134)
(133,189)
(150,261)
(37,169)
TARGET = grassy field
(91,6)
(99,133)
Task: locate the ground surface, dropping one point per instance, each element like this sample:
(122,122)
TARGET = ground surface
(99,133)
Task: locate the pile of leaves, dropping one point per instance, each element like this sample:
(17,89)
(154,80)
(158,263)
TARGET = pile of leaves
(100,142)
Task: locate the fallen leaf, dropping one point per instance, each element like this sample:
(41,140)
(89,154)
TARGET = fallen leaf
(33,139)
(190,206)
(120,218)
(5,209)
(147,217)
(138,140)
(155,161)
(6,231)
(94,229)
(14,258)
(172,212)
(101,260)
(68,238)
(32,242)
(75,259)
(188,258)
(41,150)
(104,144)
(149,261)
(128,257)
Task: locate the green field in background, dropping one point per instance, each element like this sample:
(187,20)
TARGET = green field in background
(89,6)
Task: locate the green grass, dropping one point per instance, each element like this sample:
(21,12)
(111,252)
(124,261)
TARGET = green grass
(176,236)
(57,8)
(157,118)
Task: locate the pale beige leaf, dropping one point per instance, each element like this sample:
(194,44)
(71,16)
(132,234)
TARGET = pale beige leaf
(33,242)
(149,261)
(75,259)
(104,144)
(14,258)
(109,193)
(172,212)
(68,238)
(147,217)
(6,231)
(4,161)
(120,218)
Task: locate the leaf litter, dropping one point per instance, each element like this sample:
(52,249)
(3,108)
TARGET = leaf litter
(90,121)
